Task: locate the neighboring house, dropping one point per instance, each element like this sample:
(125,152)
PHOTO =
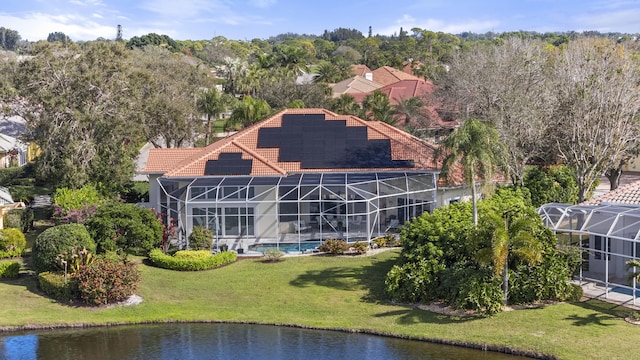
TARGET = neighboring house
(437,123)
(302,174)
(7,204)
(12,152)
(607,231)
(354,85)
(387,75)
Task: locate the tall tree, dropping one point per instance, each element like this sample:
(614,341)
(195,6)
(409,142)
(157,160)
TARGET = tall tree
(79,111)
(346,105)
(596,111)
(476,147)
(9,38)
(211,103)
(165,87)
(508,85)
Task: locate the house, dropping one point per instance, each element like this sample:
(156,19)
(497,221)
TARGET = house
(436,122)
(12,152)
(606,229)
(387,75)
(354,85)
(7,204)
(300,175)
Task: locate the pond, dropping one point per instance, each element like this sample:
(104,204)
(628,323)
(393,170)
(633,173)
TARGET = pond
(221,341)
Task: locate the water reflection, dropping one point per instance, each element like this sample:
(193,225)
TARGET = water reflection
(221,341)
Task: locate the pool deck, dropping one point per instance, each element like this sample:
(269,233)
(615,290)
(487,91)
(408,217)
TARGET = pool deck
(600,292)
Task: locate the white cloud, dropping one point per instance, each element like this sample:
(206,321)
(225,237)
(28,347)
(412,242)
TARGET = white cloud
(408,22)
(263,3)
(97,16)
(615,21)
(37,26)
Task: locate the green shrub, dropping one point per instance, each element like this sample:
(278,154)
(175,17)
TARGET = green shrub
(135,192)
(12,219)
(58,240)
(9,269)
(334,246)
(70,199)
(26,219)
(360,247)
(55,285)
(12,243)
(118,225)
(9,176)
(106,281)
(273,255)
(575,294)
(191,260)
(388,240)
(551,184)
(200,238)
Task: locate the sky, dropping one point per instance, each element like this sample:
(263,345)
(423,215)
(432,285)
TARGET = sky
(85,20)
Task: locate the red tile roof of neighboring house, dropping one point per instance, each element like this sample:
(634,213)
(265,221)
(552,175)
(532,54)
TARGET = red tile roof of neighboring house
(387,75)
(265,160)
(354,85)
(625,194)
(404,89)
(360,70)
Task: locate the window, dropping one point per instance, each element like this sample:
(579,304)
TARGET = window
(238,221)
(598,246)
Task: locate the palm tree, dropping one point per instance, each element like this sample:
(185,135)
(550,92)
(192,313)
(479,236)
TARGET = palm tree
(249,111)
(477,147)
(345,105)
(634,263)
(376,106)
(211,103)
(411,108)
(510,236)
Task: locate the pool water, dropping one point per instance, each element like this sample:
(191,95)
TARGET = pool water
(303,246)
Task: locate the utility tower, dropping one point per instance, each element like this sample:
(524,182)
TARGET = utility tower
(119,34)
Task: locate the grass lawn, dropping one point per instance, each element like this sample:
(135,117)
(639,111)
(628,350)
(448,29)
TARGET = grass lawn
(332,292)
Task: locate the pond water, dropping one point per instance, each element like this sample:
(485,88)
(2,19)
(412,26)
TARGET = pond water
(220,341)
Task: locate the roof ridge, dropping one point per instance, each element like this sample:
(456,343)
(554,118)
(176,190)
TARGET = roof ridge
(259,157)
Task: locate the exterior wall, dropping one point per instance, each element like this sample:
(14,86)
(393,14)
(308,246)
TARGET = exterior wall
(154,192)
(447,196)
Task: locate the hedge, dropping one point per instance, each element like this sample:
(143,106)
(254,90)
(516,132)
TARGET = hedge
(9,269)
(12,243)
(191,260)
(54,285)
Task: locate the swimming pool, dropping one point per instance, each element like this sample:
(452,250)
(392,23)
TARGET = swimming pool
(303,246)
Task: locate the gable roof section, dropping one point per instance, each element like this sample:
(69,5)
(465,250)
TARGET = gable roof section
(161,160)
(387,75)
(406,152)
(354,85)
(360,69)
(625,194)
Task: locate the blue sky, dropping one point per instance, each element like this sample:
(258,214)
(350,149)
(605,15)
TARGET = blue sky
(245,20)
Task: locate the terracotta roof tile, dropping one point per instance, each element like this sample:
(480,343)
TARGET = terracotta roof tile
(387,75)
(192,162)
(360,70)
(162,159)
(625,194)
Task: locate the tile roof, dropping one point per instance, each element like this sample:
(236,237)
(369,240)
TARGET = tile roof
(387,75)
(405,89)
(354,85)
(265,160)
(360,70)
(625,194)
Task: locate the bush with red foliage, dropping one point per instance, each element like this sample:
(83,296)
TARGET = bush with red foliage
(107,280)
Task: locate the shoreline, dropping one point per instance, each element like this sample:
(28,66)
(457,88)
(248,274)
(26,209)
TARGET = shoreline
(470,345)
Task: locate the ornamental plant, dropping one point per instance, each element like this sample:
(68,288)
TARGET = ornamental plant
(200,238)
(58,240)
(334,246)
(106,280)
(12,243)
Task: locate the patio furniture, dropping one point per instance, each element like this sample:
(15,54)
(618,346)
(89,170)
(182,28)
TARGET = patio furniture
(301,226)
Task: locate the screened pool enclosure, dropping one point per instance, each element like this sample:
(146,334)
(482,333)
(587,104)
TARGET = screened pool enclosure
(293,209)
(607,235)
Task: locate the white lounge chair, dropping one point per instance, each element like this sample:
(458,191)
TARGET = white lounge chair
(301,226)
